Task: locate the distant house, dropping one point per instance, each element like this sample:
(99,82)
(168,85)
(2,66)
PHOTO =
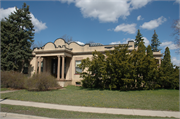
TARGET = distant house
(61,59)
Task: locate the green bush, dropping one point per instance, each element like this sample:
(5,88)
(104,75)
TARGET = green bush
(41,82)
(12,79)
(88,81)
(128,83)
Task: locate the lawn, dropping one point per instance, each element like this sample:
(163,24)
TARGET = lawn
(71,95)
(4,89)
(52,113)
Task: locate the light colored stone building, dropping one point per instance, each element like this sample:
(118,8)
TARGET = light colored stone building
(61,59)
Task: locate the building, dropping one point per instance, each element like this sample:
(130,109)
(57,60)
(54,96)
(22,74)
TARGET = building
(61,59)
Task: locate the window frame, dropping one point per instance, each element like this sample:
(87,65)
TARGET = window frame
(76,67)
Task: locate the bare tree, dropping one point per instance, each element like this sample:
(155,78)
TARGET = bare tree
(90,42)
(37,45)
(67,38)
(176,33)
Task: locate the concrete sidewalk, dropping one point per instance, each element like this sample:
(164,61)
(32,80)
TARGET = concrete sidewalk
(8,91)
(139,112)
(7,115)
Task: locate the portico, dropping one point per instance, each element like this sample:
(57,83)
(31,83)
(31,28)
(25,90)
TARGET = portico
(58,66)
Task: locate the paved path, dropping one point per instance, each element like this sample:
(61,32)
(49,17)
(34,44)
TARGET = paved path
(7,91)
(7,115)
(175,114)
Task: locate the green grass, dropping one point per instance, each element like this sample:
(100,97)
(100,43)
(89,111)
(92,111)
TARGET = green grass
(52,113)
(4,89)
(145,99)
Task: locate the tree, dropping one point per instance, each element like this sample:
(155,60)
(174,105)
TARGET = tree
(67,38)
(137,58)
(155,42)
(138,38)
(149,70)
(16,39)
(94,75)
(37,45)
(176,27)
(166,70)
(175,81)
(6,63)
(118,67)
(149,51)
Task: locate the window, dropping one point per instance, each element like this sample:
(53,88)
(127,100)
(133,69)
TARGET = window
(77,69)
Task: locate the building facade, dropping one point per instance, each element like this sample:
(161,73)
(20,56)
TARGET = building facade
(61,59)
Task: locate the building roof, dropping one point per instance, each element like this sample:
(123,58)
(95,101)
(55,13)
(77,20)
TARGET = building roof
(95,44)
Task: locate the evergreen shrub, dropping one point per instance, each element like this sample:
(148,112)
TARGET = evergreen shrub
(12,79)
(41,82)
(88,81)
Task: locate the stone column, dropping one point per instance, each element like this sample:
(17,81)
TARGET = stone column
(58,68)
(62,78)
(36,64)
(39,65)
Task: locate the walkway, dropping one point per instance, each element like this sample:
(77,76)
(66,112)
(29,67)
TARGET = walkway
(8,91)
(7,115)
(175,114)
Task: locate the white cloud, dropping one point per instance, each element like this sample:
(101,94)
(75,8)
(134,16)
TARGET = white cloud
(139,18)
(80,43)
(104,10)
(153,23)
(169,44)
(177,1)
(136,4)
(146,41)
(107,10)
(118,42)
(175,61)
(37,24)
(6,12)
(129,28)
(125,41)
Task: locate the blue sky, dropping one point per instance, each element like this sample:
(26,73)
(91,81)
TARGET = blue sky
(102,21)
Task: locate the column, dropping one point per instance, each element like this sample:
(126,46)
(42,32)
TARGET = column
(39,65)
(36,64)
(70,69)
(44,64)
(58,68)
(62,78)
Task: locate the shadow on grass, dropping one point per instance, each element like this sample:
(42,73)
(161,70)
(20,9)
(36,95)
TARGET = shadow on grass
(107,89)
(4,99)
(41,90)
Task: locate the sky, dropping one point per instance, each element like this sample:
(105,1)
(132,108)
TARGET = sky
(102,21)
